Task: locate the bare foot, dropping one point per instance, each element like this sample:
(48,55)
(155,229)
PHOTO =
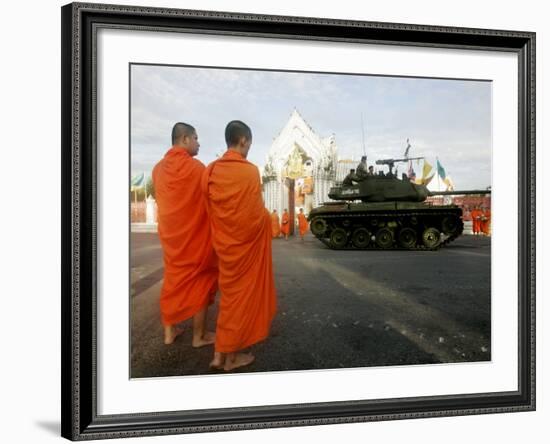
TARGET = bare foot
(171,333)
(238,360)
(209,336)
(207,339)
(218,361)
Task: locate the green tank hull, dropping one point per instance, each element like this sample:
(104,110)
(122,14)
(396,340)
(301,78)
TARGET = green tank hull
(386,225)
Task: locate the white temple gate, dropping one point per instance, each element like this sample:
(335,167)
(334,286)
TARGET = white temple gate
(299,155)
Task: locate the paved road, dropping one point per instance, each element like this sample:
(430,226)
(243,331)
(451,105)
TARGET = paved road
(338,309)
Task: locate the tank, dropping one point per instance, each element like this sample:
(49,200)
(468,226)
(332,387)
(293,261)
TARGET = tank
(384,212)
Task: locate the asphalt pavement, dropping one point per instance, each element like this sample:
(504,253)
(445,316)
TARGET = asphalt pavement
(336,309)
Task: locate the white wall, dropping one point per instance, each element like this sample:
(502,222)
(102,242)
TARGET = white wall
(29,175)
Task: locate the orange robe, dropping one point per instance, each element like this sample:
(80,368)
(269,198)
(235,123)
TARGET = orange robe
(241,234)
(486,222)
(285,223)
(190,264)
(476,221)
(302,223)
(275,226)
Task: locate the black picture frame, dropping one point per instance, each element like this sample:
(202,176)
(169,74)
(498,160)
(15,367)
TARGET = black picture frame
(80,22)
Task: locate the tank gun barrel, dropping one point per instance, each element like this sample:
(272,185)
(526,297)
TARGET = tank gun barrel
(391,162)
(459,192)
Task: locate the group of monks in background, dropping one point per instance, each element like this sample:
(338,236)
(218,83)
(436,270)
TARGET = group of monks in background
(283,227)
(216,235)
(481,220)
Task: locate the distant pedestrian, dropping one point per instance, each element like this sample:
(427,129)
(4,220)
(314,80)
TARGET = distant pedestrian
(476,220)
(275,225)
(285,224)
(302,223)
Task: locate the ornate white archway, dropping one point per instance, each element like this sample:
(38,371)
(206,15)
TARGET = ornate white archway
(300,154)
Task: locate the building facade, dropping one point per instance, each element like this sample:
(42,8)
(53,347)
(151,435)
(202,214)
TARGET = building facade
(301,167)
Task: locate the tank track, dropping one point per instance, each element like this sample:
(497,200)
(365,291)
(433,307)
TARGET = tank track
(357,220)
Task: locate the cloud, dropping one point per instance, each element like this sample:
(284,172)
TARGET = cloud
(450,119)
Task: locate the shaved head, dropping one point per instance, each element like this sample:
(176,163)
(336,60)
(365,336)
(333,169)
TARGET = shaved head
(181,129)
(235,131)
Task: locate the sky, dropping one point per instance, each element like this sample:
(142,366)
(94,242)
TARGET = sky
(445,118)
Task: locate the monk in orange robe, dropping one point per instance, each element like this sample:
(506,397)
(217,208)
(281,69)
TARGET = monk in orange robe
(241,234)
(285,224)
(302,223)
(190,264)
(486,221)
(275,226)
(476,220)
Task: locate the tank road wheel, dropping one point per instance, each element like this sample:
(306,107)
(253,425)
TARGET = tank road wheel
(450,225)
(318,226)
(407,238)
(384,238)
(431,238)
(339,238)
(361,238)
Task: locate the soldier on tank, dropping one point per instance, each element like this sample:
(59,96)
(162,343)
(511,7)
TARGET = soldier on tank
(361,171)
(348,180)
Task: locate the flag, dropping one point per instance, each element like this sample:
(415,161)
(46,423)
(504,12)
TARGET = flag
(424,180)
(441,171)
(427,180)
(410,173)
(426,169)
(137,182)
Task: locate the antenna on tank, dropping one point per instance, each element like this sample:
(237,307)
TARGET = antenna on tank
(363,134)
